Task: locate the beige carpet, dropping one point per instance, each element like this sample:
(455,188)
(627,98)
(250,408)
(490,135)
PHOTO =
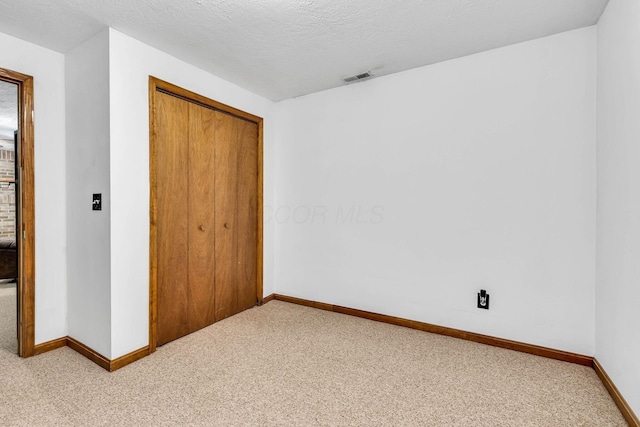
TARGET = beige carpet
(8,334)
(286,365)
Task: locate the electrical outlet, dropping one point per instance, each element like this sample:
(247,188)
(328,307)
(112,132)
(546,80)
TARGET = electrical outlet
(483,299)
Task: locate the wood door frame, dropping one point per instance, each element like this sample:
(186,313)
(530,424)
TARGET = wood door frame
(25,212)
(156,85)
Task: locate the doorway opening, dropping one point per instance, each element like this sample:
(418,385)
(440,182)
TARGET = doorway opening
(17,215)
(8,243)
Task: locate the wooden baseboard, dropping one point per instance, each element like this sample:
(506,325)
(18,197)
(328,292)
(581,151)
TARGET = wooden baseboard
(50,345)
(441,330)
(268,298)
(622,404)
(89,353)
(128,358)
(94,356)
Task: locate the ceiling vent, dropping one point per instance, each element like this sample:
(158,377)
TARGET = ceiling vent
(358,77)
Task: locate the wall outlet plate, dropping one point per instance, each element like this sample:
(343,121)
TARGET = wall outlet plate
(483,299)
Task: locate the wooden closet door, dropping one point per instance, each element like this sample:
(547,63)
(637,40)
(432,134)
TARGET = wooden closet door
(202,235)
(225,174)
(247,213)
(171,133)
(236,204)
(207,193)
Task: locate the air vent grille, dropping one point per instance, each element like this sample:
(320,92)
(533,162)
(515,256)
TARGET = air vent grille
(358,77)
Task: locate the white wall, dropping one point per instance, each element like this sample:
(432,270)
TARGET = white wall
(131,64)
(88,231)
(47,69)
(473,173)
(618,268)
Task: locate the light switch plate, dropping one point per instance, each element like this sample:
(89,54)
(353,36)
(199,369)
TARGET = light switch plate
(97,202)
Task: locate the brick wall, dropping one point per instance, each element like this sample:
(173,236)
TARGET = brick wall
(7,195)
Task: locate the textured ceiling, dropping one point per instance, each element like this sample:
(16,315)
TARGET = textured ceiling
(286,48)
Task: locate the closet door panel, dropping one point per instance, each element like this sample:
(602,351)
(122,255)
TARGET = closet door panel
(247,213)
(201,217)
(226,199)
(172,166)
